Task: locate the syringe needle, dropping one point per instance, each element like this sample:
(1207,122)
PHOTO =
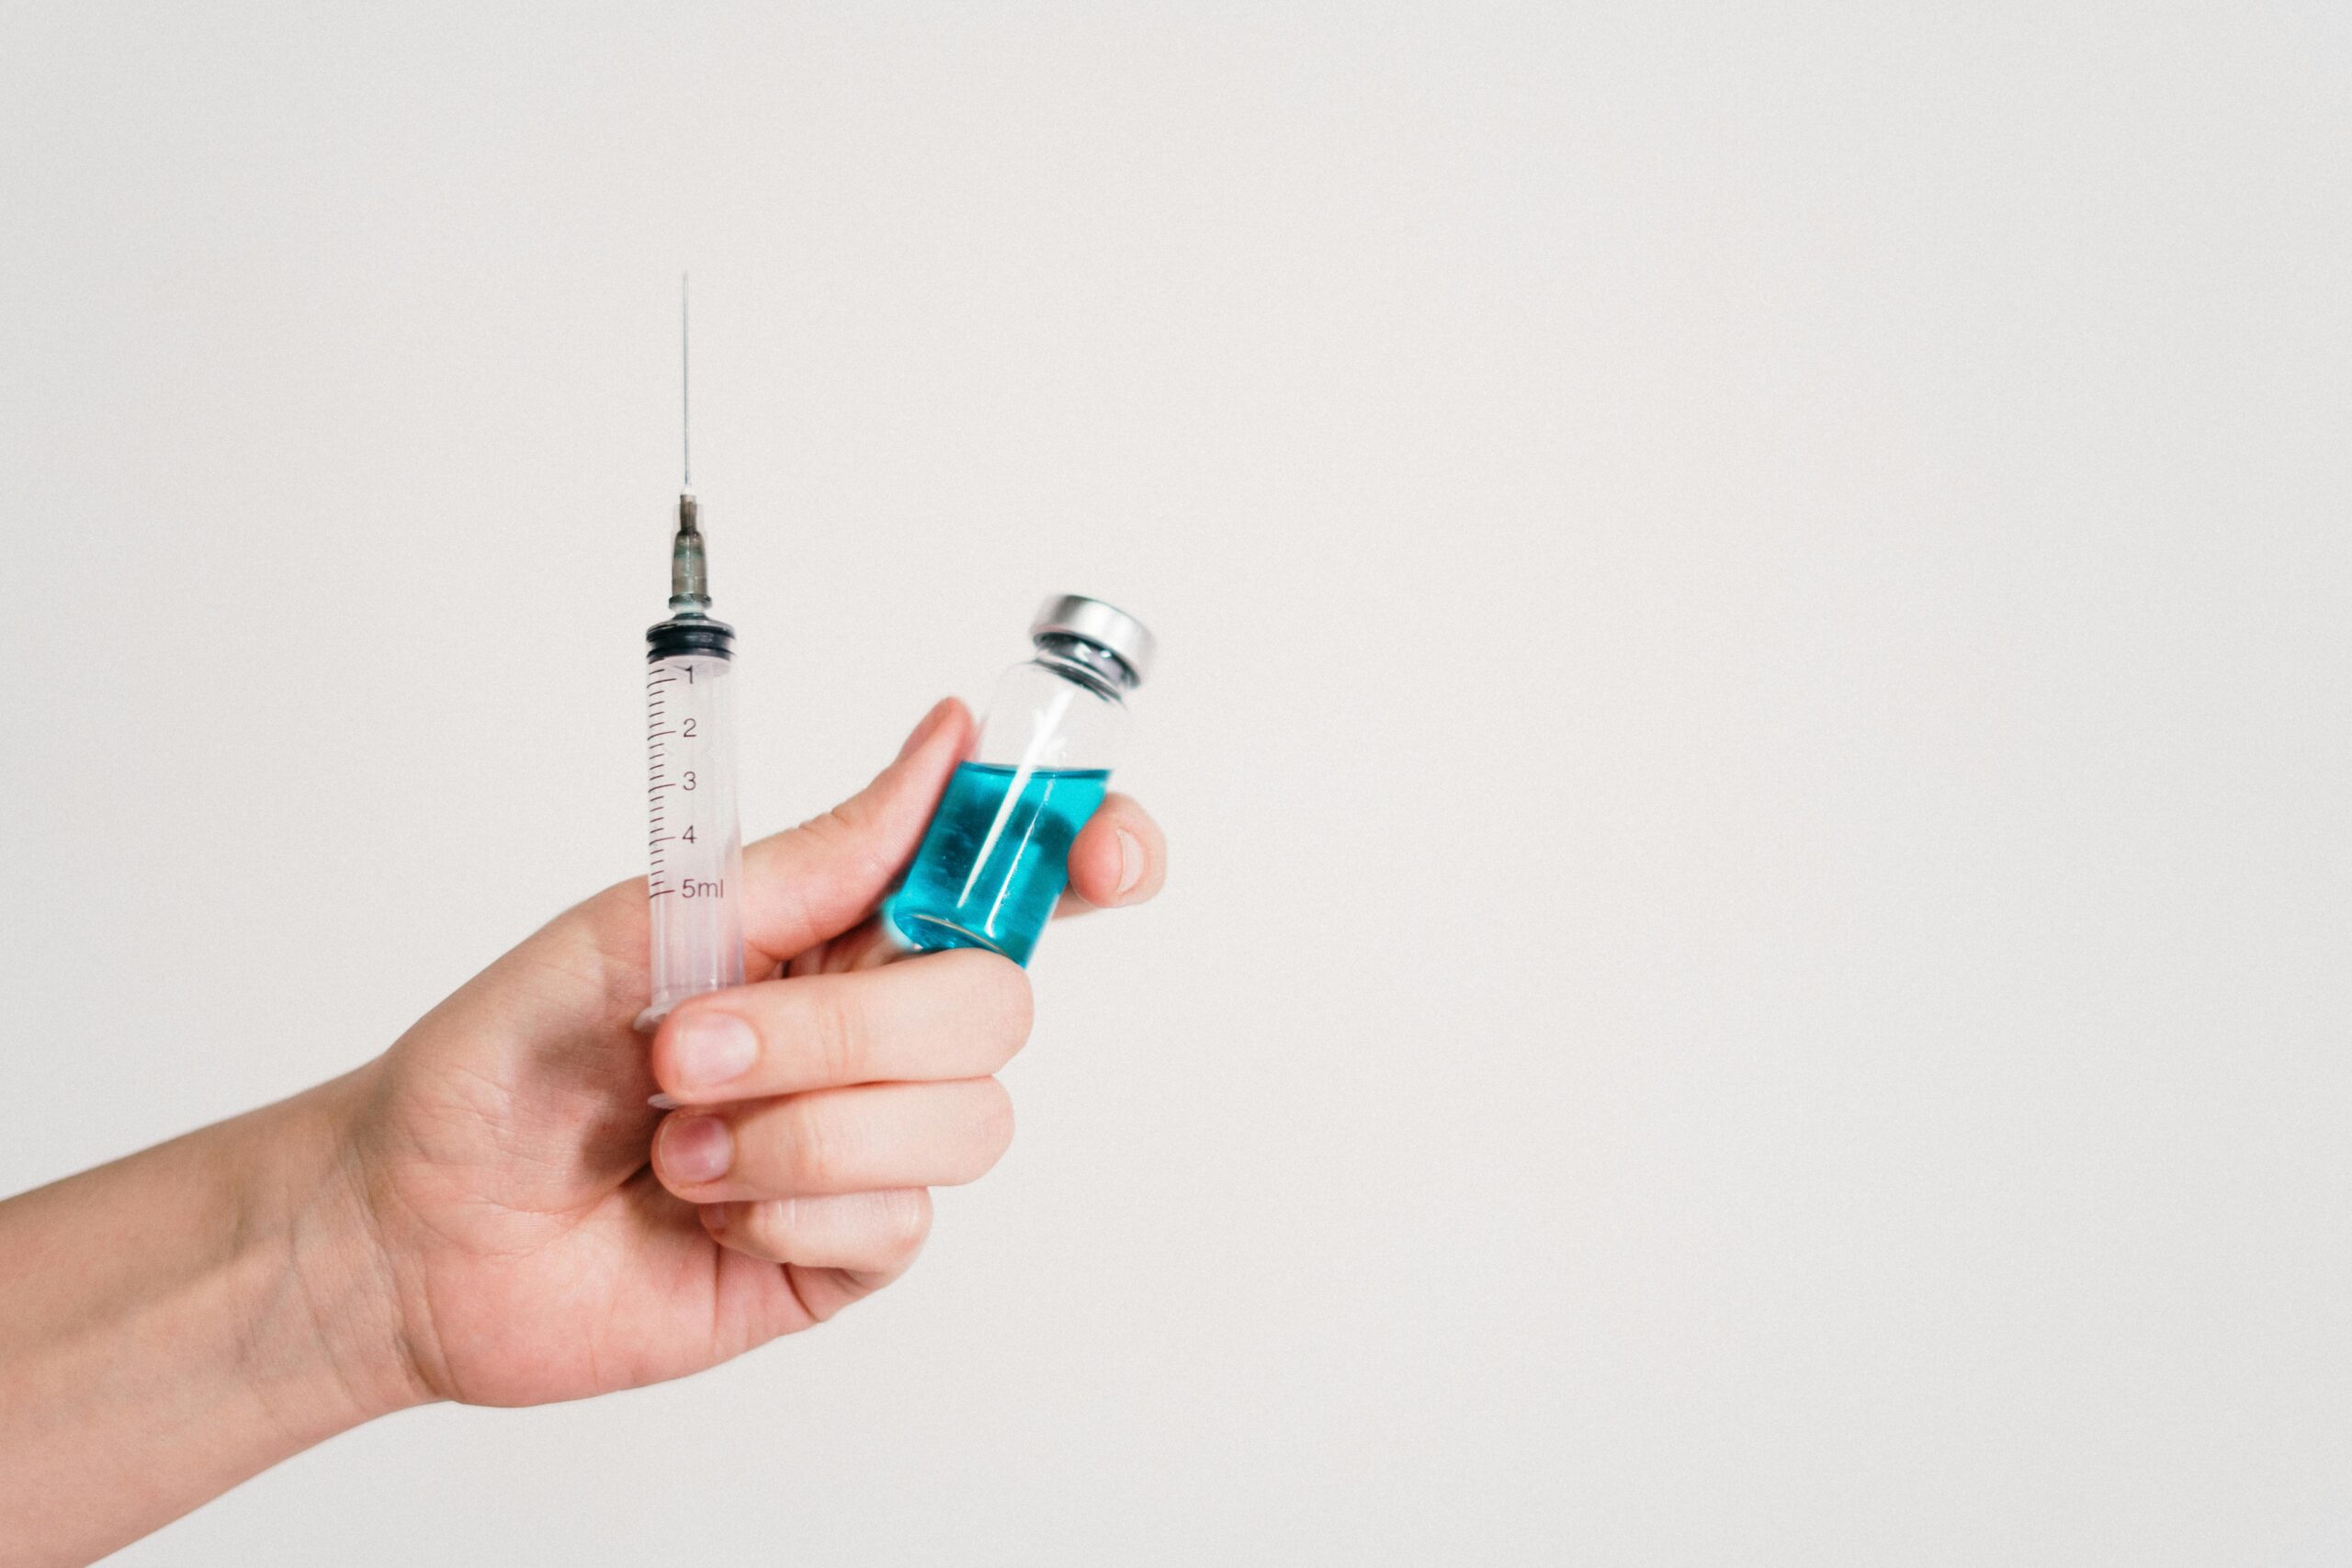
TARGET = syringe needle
(689,575)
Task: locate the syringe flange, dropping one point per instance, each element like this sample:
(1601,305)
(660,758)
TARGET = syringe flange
(689,635)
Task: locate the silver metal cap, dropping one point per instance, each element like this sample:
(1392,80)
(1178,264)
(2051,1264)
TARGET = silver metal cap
(1107,626)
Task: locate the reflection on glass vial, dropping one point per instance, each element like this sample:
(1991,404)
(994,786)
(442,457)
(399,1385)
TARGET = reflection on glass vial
(996,856)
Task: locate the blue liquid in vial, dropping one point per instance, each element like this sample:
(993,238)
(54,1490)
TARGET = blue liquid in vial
(992,861)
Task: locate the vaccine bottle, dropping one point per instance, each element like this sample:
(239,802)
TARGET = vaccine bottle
(996,856)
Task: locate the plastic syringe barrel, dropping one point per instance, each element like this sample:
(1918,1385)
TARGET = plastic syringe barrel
(695,886)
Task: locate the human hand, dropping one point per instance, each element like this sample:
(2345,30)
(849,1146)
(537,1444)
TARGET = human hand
(500,1148)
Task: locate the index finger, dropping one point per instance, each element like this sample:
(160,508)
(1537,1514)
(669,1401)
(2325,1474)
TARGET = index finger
(958,1014)
(823,877)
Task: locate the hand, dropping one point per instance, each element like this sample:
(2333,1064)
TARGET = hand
(501,1147)
(472,1215)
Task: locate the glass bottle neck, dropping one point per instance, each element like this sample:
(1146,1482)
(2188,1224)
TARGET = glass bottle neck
(1076,660)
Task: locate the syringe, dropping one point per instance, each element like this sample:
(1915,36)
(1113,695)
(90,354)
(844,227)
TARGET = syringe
(696,845)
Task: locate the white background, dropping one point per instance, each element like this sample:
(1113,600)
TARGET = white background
(1753,721)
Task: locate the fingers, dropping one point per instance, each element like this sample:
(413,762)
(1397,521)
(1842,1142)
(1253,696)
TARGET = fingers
(815,882)
(960,1014)
(820,878)
(872,1234)
(837,1140)
(1120,857)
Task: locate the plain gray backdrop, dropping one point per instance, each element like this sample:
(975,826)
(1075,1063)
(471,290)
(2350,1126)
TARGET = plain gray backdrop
(1753,723)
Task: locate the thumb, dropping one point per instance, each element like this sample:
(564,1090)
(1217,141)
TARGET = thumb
(815,882)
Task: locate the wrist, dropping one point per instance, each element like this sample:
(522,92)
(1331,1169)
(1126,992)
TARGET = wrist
(329,1345)
(183,1319)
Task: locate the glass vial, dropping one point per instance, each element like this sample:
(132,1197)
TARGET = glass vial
(996,856)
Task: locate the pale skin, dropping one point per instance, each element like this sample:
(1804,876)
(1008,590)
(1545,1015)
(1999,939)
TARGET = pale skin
(490,1212)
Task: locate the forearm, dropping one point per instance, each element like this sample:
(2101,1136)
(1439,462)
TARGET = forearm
(180,1320)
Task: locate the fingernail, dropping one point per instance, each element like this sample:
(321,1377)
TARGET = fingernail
(1130,861)
(695,1149)
(711,1049)
(930,722)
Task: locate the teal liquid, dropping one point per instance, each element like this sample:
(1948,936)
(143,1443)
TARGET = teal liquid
(992,861)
